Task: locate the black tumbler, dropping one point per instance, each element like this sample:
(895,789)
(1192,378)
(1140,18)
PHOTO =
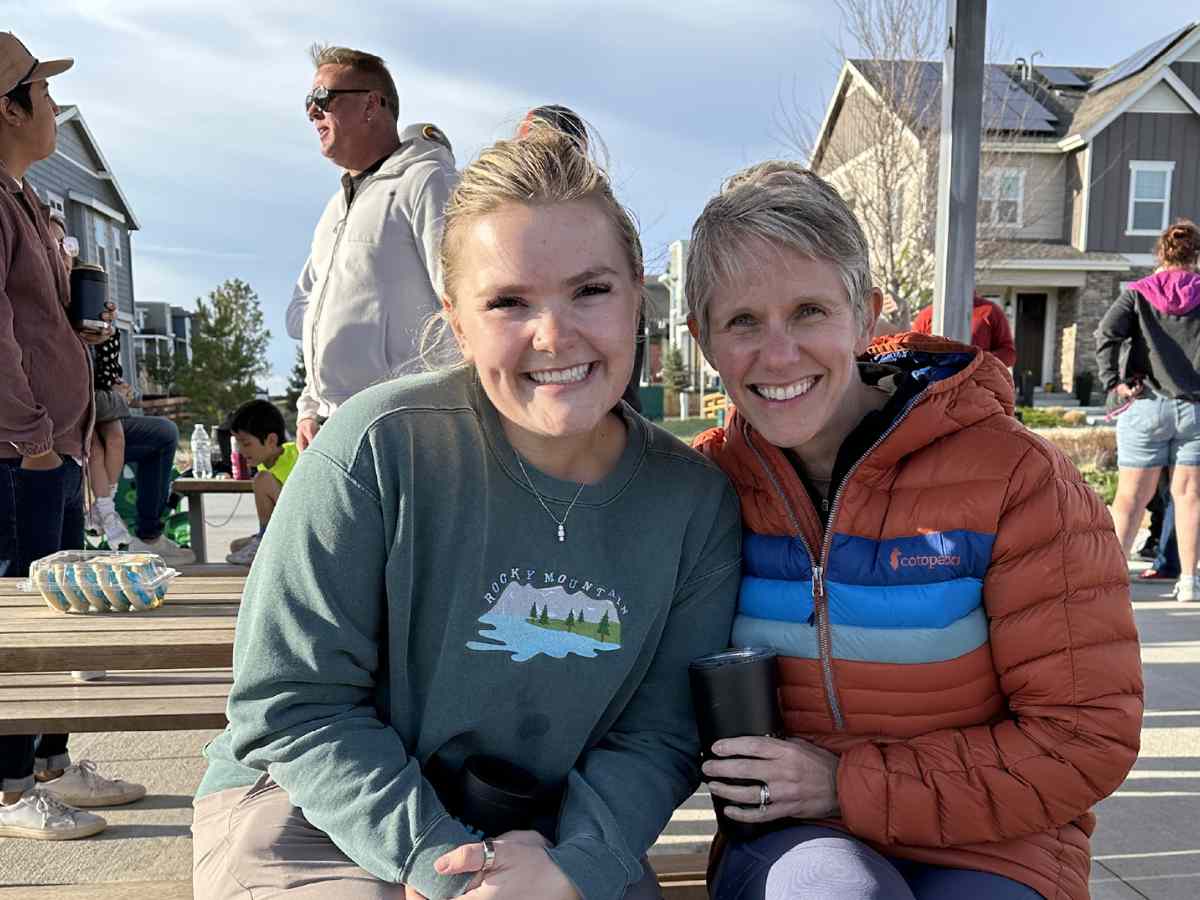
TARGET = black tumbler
(89,294)
(498,796)
(735,695)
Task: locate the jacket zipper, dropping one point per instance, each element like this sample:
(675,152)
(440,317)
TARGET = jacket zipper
(341,229)
(820,565)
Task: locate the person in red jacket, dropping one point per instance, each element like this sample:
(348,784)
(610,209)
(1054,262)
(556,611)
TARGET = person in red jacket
(959,672)
(989,329)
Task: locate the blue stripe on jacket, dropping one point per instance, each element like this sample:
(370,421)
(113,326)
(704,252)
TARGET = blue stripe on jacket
(920,559)
(897,606)
(907,646)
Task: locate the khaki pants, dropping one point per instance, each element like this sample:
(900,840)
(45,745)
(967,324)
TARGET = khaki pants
(251,842)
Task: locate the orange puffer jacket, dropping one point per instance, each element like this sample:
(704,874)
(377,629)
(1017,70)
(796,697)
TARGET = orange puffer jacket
(961,634)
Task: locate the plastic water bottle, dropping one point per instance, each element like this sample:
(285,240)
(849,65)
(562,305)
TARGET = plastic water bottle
(201,453)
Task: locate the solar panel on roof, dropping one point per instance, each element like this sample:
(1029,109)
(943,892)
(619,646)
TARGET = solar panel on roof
(1138,61)
(1008,107)
(1060,76)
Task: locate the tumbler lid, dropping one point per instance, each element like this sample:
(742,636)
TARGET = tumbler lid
(88,272)
(734,657)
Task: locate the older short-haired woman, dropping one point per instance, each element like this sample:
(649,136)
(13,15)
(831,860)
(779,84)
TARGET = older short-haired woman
(960,679)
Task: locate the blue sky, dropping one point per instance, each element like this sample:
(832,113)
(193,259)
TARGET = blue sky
(198,107)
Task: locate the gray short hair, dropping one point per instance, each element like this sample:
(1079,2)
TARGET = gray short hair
(785,205)
(366,63)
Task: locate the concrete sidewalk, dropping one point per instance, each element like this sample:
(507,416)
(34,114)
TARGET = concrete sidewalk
(1147,844)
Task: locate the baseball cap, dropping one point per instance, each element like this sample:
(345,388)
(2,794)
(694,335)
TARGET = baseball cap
(18,66)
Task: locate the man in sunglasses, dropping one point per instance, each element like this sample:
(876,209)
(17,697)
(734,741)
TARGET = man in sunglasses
(371,279)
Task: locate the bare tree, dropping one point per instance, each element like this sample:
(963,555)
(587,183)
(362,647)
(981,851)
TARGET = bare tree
(879,143)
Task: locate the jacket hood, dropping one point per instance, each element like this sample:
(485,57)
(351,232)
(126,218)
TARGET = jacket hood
(963,385)
(1175,292)
(421,142)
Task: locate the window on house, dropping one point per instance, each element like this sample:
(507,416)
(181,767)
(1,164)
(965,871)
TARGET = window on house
(118,251)
(100,234)
(1001,197)
(1149,196)
(57,204)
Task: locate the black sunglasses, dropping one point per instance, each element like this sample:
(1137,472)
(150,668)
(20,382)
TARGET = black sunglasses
(323,96)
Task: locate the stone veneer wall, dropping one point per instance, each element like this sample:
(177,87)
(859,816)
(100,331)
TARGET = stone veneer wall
(1079,313)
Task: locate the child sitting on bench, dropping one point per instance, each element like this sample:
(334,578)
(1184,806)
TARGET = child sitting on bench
(261,436)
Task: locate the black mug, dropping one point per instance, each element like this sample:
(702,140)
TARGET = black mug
(497,796)
(89,296)
(735,695)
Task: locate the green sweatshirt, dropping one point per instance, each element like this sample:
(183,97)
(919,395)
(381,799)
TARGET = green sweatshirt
(411,602)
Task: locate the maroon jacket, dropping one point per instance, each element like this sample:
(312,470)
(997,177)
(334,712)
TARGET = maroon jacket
(45,378)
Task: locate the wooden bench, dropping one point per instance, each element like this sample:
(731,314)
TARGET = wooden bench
(681,877)
(145,700)
(194,490)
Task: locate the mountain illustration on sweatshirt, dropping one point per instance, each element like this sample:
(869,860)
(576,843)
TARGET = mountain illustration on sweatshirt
(526,620)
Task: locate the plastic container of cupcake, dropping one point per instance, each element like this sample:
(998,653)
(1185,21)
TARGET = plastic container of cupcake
(100,581)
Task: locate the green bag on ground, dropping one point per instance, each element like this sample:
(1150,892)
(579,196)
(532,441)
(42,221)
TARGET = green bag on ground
(175,519)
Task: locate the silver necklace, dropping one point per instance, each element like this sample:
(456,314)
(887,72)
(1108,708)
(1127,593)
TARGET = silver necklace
(561,523)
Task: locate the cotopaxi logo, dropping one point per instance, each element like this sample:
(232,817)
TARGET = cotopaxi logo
(899,561)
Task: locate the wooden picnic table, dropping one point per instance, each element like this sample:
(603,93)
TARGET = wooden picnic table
(169,667)
(195,489)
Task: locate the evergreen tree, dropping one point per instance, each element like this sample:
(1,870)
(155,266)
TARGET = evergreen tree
(296,379)
(533,617)
(604,628)
(580,619)
(675,377)
(229,351)
(544,619)
(571,621)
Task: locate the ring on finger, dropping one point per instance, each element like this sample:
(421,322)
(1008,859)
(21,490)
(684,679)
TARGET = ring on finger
(489,854)
(764,796)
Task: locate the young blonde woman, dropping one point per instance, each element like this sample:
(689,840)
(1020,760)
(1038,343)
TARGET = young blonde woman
(959,672)
(495,561)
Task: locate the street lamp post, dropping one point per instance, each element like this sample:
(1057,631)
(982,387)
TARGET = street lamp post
(958,167)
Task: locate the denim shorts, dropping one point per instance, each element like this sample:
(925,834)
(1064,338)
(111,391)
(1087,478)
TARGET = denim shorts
(1156,432)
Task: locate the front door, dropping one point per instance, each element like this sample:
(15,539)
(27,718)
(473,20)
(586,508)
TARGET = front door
(1031,335)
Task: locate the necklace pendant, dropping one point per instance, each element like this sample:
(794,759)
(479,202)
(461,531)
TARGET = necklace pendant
(562,534)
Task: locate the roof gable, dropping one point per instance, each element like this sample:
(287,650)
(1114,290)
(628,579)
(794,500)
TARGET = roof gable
(94,159)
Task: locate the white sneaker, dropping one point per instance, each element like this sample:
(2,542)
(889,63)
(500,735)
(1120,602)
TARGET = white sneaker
(171,552)
(41,816)
(238,543)
(91,521)
(115,532)
(1187,590)
(81,785)
(244,555)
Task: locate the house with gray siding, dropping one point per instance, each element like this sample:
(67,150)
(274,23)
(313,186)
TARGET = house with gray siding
(1081,168)
(77,181)
(164,333)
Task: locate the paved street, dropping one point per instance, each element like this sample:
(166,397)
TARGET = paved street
(1147,844)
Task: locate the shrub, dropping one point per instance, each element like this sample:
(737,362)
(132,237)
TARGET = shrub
(1088,448)
(1051,417)
(1103,482)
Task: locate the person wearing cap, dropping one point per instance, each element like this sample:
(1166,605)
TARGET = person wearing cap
(564,119)
(371,280)
(46,416)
